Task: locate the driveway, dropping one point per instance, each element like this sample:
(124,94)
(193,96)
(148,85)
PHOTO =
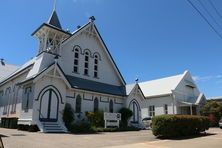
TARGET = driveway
(142,139)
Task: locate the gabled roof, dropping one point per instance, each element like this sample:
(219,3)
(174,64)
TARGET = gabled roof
(18,71)
(130,87)
(163,86)
(103,44)
(54,20)
(6,70)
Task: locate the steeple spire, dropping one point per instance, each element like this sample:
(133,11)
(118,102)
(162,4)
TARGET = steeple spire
(54,20)
(54,5)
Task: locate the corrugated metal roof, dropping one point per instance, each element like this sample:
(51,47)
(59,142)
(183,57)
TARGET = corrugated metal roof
(17,70)
(160,86)
(6,70)
(84,84)
(129,88)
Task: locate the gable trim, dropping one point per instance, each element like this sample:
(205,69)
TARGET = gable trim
(103,44)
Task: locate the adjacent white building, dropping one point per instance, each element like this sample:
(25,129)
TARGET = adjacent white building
(77,68)
(172,95)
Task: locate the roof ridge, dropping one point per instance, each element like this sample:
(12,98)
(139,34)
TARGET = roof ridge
(162,78)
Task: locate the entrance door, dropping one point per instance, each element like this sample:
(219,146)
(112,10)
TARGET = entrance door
(49,106)
(135,109)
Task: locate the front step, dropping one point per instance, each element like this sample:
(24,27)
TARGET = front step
(52,127)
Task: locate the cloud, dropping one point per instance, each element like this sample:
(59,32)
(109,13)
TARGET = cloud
(218,78)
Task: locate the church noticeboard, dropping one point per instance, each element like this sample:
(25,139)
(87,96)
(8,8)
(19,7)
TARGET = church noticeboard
(112,119)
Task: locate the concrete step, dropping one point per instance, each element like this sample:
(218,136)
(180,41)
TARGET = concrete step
(52,127)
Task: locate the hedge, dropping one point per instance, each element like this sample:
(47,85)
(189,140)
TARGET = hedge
(179,125)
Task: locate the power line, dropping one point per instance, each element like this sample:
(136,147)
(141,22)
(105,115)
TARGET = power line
(212,4)
(212,27)
(212,17)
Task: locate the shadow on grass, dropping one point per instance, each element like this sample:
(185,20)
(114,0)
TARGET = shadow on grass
(187,137)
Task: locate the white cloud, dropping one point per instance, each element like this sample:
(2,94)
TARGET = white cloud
(207,78)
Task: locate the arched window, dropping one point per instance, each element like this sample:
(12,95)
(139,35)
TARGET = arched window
(96,105)
(96,66)
(7,97)
(78,104)
(28,91)
(86,65)
(76,60)
(111,106)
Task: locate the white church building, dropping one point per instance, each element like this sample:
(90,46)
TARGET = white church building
(77,68)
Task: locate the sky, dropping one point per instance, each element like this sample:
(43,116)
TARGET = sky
(148,39)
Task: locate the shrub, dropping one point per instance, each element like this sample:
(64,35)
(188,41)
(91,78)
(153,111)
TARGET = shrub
(178,125)
(125,116)
(95,118)
(30,128)
(68,115)
(82,128)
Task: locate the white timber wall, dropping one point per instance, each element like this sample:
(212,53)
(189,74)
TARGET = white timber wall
(159,103)
(106,72)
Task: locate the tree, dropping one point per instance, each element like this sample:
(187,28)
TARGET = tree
(125,116)
(213,110)
(68,116)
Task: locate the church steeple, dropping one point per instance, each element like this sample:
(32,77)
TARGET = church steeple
(51,35)
(54,20)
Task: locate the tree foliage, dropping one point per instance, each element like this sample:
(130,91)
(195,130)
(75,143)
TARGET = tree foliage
(68,115)
(213,110)
(125,116)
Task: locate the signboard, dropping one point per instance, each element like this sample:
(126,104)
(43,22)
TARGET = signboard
(112,119)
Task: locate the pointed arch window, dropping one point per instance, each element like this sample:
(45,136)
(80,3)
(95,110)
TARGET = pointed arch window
(96,105)
(78,104)
(7,98)
(76,60)
(27,97)
(111,106)
(96,66)
(86,64)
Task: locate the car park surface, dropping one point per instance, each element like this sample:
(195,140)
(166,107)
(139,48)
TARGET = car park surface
(142,139)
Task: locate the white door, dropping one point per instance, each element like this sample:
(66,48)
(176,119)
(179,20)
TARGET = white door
(135,109)
(49,106)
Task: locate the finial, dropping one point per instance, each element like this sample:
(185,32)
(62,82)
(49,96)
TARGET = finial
(2,62)
(137,80)
(54,5)
(92,18)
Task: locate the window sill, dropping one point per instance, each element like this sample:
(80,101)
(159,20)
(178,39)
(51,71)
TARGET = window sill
(86,75)
(75,72)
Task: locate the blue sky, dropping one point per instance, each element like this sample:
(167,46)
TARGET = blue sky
(148,39)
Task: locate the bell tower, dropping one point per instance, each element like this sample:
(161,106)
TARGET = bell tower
(51,35)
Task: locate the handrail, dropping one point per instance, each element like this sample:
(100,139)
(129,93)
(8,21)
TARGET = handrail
(40,113)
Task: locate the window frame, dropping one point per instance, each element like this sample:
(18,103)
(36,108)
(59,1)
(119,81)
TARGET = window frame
(78,105)
(165,109)
(151,110)
(86,64)
(96,105)
(76,60)
(96,67)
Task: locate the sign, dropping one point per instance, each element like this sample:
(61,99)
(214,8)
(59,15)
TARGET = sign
(112,119)
(112,116)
